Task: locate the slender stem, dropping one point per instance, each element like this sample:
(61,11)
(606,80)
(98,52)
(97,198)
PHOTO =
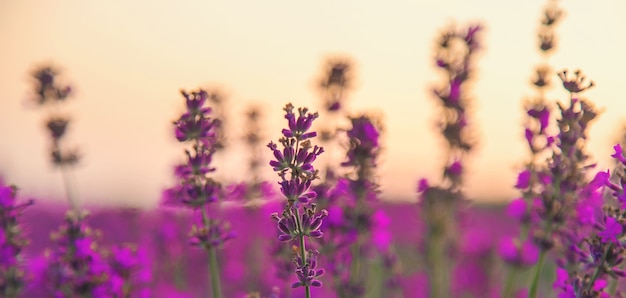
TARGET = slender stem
(600,267)
(535,284)
(613,284)
(71,199)
(215,273)
(439,266)
(307,289)
(509,286)
(355,266)
(214,280)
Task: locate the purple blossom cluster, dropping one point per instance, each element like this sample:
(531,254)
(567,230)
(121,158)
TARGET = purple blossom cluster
(299,218)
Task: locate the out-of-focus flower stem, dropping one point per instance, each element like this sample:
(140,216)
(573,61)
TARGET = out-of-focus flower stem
(440,266)
(535,284)
(511,281)
(613,283)
(71,199)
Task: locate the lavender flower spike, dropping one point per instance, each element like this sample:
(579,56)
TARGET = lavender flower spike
(299,220)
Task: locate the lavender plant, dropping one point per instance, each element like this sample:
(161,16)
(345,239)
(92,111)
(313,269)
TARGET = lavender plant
(12,242)
(562,190)
(362,160)
(299,219)
(196,189)
(440,205)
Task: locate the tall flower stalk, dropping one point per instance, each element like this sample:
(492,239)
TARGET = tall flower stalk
(299,219)
(362,160)
(441,205)
(196,189)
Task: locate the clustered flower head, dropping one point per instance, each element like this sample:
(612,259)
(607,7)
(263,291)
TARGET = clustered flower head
(12,241)
(75,266)
(195,189)
(294,165)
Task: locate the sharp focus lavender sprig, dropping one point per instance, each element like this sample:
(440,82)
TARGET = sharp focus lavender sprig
(440,205)
(196,189)
(12,241)
(299,219)
(563,191)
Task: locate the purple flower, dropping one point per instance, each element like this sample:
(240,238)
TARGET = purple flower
(612,230)
(307,271)
(619,153)
(517,209)
(294,166)
(523,180)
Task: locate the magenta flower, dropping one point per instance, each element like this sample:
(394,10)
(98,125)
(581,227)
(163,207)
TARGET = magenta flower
(517,209)
(619,153)
(523,180)
(612,230)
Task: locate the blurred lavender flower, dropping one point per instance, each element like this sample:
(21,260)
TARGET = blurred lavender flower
(12,241)
(299,218)
(75,267)
(51,94)
(335,83)
(440,206)
(131,272)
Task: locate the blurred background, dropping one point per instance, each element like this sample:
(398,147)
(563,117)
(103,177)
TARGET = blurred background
(127,61)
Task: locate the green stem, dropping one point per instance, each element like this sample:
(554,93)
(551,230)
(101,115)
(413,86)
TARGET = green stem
(214,269)
(511,281)
(596,273)
(215,273)
(613,284)
(307,289)
(68,189)
(355,264)
(535,284)
(439,267)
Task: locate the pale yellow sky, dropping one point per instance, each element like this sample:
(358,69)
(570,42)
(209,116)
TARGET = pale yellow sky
(128,59)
